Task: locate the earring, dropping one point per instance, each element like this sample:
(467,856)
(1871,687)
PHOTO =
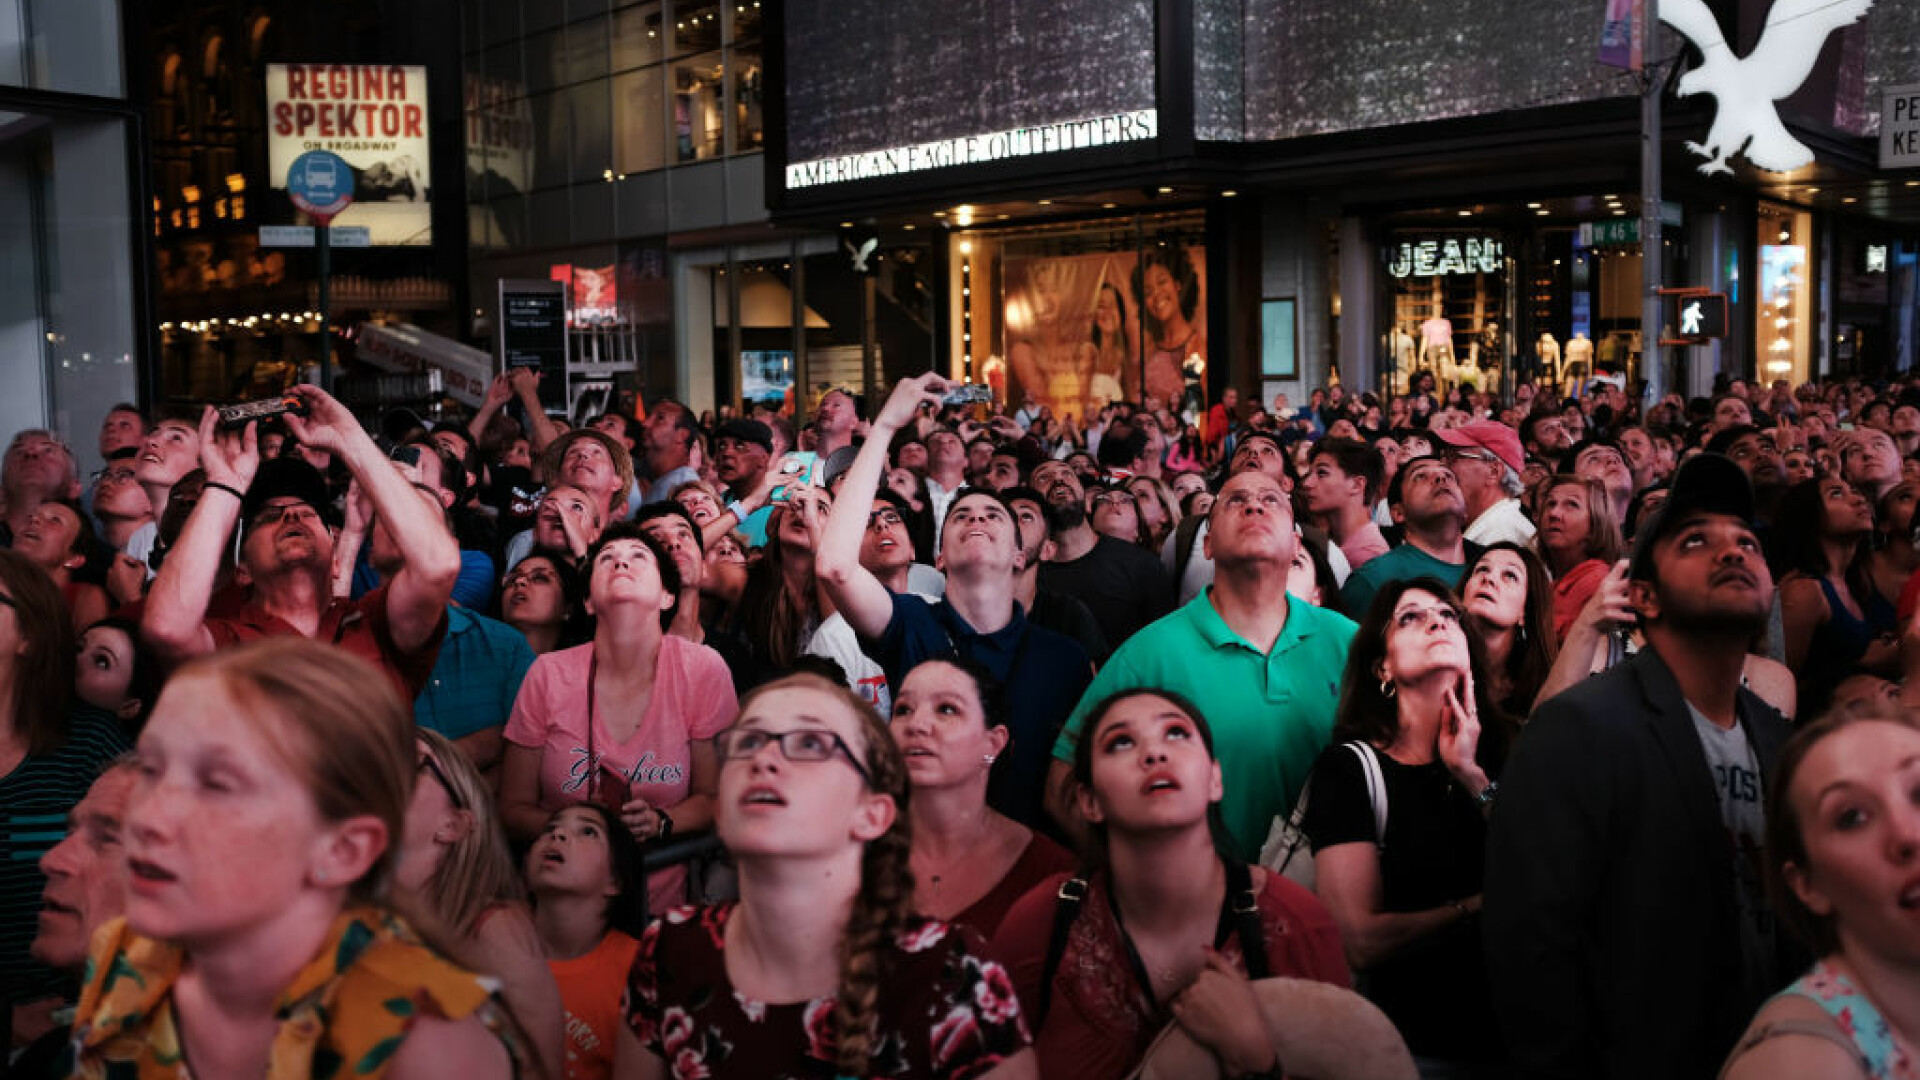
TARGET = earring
(1387,689)
(1523,632)
(988,758)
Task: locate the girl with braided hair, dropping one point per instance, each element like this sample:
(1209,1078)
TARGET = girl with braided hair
(787,982)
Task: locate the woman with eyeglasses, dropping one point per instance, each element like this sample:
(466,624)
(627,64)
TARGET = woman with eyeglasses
(454,864)
(1112,512)
(543,597)
(820,968)
(1415,725)
(626,720)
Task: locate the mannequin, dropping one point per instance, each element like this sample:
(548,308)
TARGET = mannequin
(1549,352)
(1579,349)
(1436,336)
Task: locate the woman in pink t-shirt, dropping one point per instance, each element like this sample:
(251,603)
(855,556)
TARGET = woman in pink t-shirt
(626,720)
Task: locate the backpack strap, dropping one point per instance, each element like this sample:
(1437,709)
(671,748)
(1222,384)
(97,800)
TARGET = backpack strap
(1072,896)
(1245,909)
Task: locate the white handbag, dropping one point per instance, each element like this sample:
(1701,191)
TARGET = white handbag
(1289,852)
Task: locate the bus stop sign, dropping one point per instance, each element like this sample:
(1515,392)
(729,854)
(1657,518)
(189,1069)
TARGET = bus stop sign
(321,184)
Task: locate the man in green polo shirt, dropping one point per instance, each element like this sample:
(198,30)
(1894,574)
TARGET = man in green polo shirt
(1263,667)
(1426,501)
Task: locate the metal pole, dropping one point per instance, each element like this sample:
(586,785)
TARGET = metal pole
(1651,239)
(322,235)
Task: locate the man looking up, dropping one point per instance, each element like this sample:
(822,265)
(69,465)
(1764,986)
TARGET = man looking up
(833,422)
(1056,611)
(981,555)
(887,553)
(1341,485)
(1122,584)
(287,551)
(1486,461)
(669,432)
(37,468)
(1267,666)
(743,461)
(1627,832)
(1426,502)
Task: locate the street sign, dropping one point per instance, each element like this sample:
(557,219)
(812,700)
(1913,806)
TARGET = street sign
(1900,127)
(321,184)
(340,236)
(1626,230)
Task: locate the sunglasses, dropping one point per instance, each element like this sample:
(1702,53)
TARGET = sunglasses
(429,765)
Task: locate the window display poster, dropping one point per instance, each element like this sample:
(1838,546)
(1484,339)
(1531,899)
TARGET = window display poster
(1084,330)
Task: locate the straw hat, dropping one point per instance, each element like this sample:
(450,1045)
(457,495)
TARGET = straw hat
(1320,1030)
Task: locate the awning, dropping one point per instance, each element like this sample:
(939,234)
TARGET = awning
(459,371)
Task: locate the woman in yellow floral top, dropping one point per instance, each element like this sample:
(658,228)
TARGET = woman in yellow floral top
(274,779)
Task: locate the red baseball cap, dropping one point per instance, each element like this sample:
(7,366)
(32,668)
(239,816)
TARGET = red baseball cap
(1490,435)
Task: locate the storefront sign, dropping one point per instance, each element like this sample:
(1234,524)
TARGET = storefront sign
(1441,256)
(1135,126)
(1900,127)
(374,116)
(1744,88)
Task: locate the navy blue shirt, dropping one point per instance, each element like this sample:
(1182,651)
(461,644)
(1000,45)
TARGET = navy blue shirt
(1044,674)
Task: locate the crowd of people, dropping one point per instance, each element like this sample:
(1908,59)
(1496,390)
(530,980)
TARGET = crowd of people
(1457,737)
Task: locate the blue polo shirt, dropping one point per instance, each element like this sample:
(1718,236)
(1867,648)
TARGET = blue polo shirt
(476,678)
(1271,713)
(1044,674)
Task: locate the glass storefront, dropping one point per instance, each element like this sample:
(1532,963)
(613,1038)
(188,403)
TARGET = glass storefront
(68,232)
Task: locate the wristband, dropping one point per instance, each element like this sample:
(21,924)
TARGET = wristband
(1485,798)
(739,512)
(228,488)
(666,825)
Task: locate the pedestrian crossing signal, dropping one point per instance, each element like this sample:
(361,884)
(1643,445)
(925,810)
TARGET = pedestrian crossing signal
(1699,316)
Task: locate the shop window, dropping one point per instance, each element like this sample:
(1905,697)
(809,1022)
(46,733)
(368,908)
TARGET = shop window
(746,20)
(1783,327)
(554,139)
(592,149)
(748,118)
(638,121)
(696,26)
(636,36)
(1449,307)
(698,120)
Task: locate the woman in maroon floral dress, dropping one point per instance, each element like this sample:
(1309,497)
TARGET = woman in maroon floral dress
(788,982)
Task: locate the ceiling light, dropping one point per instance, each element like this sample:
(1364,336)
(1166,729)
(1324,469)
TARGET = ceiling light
(1228,194)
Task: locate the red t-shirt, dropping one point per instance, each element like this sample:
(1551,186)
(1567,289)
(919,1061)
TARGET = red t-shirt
(1041,860)
(358,626)
(1099,1020)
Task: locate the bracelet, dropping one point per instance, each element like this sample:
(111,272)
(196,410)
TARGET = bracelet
(666,825)
(738,511)
(228,488)
(1462,909)
(1485,798)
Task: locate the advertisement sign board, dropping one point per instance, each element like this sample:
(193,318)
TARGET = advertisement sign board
(374,118)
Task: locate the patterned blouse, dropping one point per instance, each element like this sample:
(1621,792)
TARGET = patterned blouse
(944,1012)
(344,1015)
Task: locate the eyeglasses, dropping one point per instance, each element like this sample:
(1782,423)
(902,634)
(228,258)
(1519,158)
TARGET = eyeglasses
(117,476)
(428,765)
(1112,498)
(274,515)
(530,577)
(1409,617)
(884,519)
(803,744)
(1458,453)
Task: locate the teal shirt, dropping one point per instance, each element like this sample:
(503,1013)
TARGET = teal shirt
(1401,564)
(1271,713)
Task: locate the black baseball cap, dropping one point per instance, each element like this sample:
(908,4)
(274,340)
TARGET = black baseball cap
(286,477)
(747,431)
(1705,483)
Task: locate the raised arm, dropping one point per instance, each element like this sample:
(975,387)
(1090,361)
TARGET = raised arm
(540,429)
(853,589)
(174,622)
(418,594)
(499,392)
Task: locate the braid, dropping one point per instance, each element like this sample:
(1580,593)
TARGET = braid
(881,910)
(879,914)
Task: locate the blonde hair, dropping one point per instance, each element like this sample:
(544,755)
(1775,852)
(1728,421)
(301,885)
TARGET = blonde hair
(476,872)
(337,723)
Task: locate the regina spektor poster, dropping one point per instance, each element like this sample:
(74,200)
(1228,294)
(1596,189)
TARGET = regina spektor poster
(375,117)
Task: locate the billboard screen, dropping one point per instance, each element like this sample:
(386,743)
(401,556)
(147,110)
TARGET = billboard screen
(375,117)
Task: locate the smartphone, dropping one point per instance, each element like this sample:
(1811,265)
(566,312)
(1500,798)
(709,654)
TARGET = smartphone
(246,412)
(968,394)
(406,455)
(611,789)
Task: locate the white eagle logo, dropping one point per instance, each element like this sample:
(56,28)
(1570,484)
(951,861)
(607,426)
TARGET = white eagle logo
(1745,87)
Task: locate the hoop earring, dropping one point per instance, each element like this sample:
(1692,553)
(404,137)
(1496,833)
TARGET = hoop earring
(1387,689)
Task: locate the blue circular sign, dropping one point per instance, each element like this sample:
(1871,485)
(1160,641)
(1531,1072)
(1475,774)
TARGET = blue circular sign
(320,183)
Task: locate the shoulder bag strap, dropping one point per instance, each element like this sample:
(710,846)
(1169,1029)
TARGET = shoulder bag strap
(1376,788)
